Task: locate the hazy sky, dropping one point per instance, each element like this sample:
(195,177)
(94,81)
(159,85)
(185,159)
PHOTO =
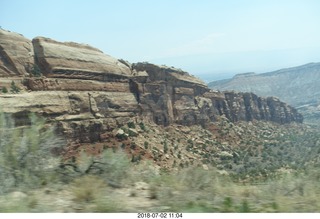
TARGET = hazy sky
(207,38)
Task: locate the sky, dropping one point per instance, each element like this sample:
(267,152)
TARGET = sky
(211,39)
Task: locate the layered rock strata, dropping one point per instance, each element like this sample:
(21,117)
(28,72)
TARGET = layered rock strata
(16,54)
(89,93)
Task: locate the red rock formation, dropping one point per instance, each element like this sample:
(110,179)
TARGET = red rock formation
(89,92)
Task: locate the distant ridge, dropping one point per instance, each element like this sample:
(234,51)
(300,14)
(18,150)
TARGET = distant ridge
(298,86)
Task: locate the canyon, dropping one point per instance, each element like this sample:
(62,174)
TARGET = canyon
(88,93)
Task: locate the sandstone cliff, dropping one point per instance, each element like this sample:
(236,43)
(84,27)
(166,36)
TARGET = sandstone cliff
(298,86)
(16,54)
(73,60)
(90,93)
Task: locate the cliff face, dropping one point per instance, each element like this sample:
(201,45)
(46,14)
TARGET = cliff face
(298,86)
(285,84)
(76,61)
(16,54)
(90,93)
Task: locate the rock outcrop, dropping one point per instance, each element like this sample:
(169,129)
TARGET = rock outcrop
(89,93)
(286,84)
(297,86)
(16,54)
(78,61)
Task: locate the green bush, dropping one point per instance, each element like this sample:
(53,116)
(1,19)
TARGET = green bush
(142,126)
(131,125)
(122,137)
(111,165)
(35,71)
(146,145)
(26,160)
(165,147)
(4,90)
(227,205)
(14,88)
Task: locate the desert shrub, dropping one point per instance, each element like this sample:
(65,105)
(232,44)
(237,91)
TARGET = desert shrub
(4,90)
(131,125)
(142,126)
(92,194)
(123,145)
(244,207)
(188,190)
(19,205)
(26,160)
(227,205)
(146,145)
(14,88)
(122,137)
(133,145)
(35,71)
(197,178)
(145,171)
(111,165)
(87,188)
(165,147)
(108,204)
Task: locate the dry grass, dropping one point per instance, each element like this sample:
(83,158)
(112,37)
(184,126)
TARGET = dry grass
(188,190)
(196,190)
(87,188)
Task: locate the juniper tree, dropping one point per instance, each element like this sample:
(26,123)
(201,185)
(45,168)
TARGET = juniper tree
(35,71)
(14,89)
(4,90)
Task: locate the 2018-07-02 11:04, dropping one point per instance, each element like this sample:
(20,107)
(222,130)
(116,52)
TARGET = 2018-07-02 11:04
(159,215)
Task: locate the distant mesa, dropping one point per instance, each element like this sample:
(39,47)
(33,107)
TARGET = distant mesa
(248,74)
(298,86)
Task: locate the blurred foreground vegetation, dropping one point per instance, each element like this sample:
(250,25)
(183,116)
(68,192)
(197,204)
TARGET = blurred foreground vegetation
(35,179)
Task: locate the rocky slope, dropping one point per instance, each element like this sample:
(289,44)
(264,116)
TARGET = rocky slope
(298,86)
(244,160)
(90,93)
